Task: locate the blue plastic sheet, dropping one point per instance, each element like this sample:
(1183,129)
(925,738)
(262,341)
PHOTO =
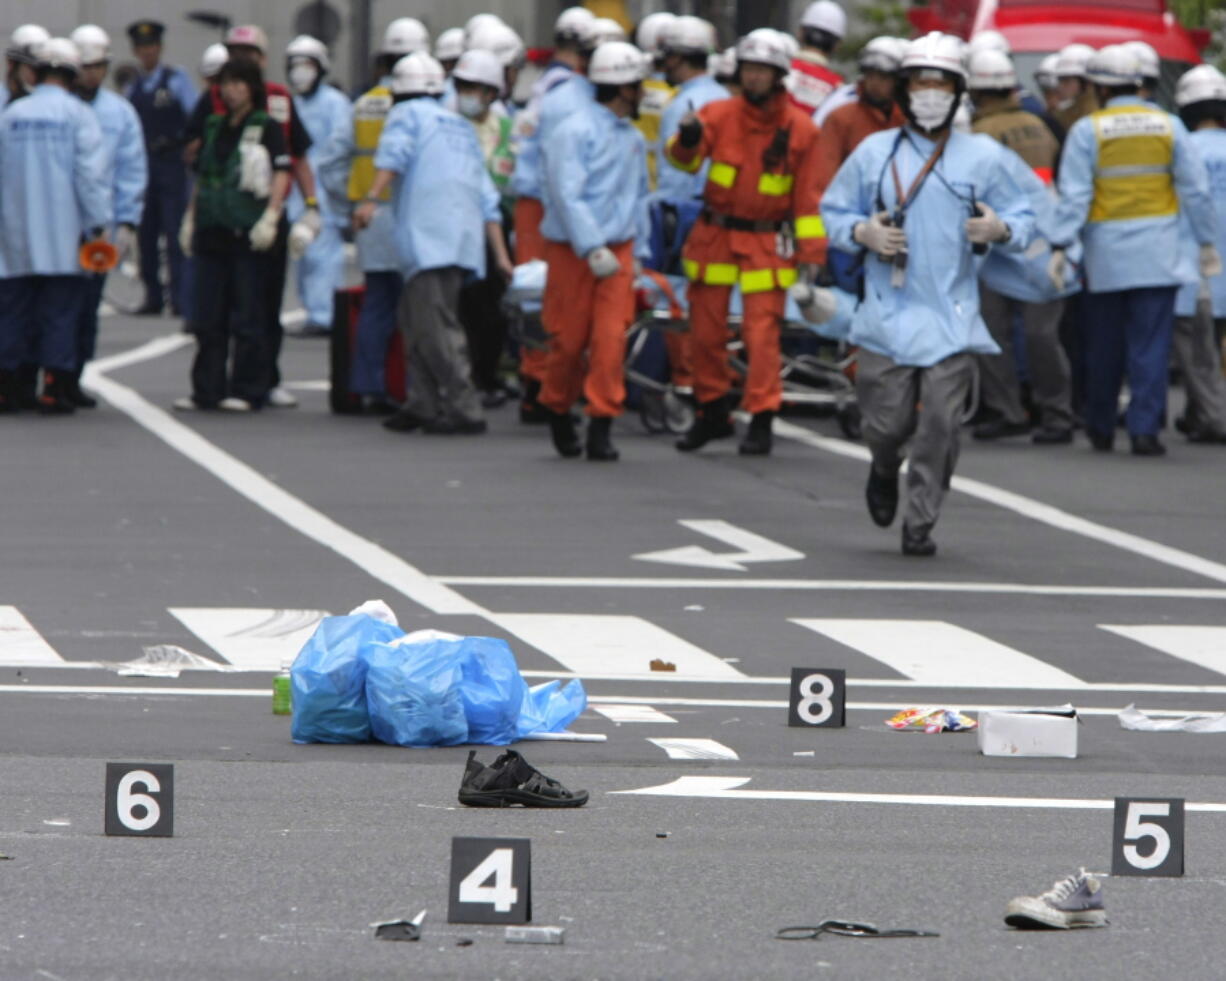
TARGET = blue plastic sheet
(328,680)
(493,690)
(413,694)
(551,707)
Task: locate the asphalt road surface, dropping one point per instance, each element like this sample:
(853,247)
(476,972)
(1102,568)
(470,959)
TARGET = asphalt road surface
(1063,576)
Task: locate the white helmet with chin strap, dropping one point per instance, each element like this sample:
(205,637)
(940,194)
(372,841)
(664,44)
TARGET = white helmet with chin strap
(58,52)
(1045,76)
(24,40)
(882,54)
(989,40)
(990,68)
(215,55)
(480,67)
(617,63)
(305,46)
(502,40)
(573,24)
(825,15)
(1114,66)
(418,74)
(449,45)
(689,36)
(93,42)
(935,52)
(650,33)
(1072,60)
(1204,83)
(405,35)
(604,30)
(1147,58)
(763,47)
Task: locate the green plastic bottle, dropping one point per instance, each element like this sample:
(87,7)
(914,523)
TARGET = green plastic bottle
(282,703)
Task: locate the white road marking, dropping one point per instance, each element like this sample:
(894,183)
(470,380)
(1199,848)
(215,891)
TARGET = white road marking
(937,653)
(22,646)
(249,638)
(752,548)
(728,788)
(310,385)
(621,713)
(371,558)
(832,585)
(695,749)
(1205,646)
(623,646)
(1028,507)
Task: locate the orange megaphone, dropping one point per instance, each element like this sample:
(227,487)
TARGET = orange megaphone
(98,256)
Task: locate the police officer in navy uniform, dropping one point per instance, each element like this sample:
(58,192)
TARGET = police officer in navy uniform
(163,96)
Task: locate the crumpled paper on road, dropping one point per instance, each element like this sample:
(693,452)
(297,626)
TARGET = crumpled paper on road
(931,720)
(1133,718)
(166,661)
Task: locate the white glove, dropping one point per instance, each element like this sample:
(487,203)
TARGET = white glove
(817,304)
(187,230)
(877,236)
(986,227)
(263,233)
(1210,262)
(1057,269)
(303,232)
(603,262)
(255,169)
(125,240)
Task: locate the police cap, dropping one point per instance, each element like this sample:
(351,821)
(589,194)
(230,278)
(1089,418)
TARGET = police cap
(146,32)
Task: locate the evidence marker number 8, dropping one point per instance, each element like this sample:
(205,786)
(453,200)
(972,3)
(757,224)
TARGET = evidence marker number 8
(818,698)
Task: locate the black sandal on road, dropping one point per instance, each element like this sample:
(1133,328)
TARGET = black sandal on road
(846,928)
(511,780)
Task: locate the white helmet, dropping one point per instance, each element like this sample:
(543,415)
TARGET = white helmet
(449,45)
(722,64)
(1204,83)
(573,24)
(405,35)
(882,54)
(1045,76)
(1072,59)
(989,40)
(604,30)
(991,68)
(825,15)
(215,55)
(1114,65)
(502,40)
(1147,58)
(24,40)
(936,50)
(790,44)
(482,67)
(58,52)
(93,42)
(418,74)
(305,46)
(617,63)
(689,35)
(763,47)
(651,30)
(479,22)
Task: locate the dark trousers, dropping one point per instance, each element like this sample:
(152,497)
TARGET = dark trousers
(485,326)
(1127,331)
(232,313)
(376,325)
(274,289)
(165,202)
(87,321)
(40,324)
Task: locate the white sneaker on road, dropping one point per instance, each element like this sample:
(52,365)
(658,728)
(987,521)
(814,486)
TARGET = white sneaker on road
(1071,903)
(280,398)
(233,404)
(184,403)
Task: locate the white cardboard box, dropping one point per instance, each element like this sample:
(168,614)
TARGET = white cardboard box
(1036,733)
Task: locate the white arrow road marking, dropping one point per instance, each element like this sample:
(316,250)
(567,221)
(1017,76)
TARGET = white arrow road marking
(250,638)
(1205,646)
(753,548)
(21,645)
(728,788)
(695,749)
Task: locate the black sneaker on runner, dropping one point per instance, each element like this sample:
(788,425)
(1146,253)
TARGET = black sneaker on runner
(510,780)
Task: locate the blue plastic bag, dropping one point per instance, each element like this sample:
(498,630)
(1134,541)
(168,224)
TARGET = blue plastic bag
(413,694)
(493,690)
(328,680)
(550,707)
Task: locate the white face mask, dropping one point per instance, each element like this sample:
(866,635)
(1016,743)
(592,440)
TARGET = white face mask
(930,107)
(470,106)
(302,77)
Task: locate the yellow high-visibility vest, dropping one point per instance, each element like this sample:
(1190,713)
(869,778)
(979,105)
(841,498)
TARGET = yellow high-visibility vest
(369,114)
(657,94)
(1132,179)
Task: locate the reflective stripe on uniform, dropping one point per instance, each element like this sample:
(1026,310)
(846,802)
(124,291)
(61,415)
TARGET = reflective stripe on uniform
(761,280)
(1132,178)
(722,174)
(776,185)
(810,226)
(689,168)
(713,274)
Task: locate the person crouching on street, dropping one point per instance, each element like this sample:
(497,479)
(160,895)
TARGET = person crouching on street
(929,203)
(242,178)
(595,184)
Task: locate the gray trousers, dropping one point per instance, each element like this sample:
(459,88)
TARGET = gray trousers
(1050,378)
(924,405)
(439,377)
(1199,358)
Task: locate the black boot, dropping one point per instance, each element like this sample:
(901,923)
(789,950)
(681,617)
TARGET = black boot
(56,397)
(562,431)
(881,494)
(80,399)
(918,544)
(710,422)
(8,393)
(530,410)
(27,387)
(599,446)
(757,441)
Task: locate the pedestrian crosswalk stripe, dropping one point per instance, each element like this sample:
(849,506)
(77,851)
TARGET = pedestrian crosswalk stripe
(934,652)
(21,646)
(632,713)
(695,749)
(619,646)
(1205,646)
(251,638)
